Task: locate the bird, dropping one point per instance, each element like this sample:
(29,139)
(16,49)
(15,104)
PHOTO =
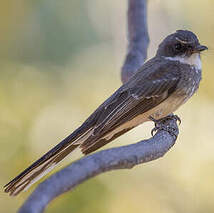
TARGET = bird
(159,87)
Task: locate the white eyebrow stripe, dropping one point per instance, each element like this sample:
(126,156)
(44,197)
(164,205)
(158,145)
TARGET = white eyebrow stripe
(184,42)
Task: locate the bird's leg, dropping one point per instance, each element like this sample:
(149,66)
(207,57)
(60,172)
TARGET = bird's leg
(160,124)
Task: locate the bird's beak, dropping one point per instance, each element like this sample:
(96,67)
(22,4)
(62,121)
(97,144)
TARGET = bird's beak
(200,48)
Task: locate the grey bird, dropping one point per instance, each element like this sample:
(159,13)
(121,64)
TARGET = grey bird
(160,86)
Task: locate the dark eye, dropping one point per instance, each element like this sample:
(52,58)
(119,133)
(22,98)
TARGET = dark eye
(178,46)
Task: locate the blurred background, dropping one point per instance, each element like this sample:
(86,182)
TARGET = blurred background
(59,60)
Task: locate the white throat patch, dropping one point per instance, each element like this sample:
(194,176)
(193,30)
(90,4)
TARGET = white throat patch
(193,60)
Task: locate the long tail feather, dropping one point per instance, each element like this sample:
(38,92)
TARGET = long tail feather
(46,163)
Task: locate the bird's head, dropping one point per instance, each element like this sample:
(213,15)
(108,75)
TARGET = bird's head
(182,43)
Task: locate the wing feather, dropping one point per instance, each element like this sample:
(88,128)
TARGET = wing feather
(152,84)
(143,92)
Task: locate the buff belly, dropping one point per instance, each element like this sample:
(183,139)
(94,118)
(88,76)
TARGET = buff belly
(167,107)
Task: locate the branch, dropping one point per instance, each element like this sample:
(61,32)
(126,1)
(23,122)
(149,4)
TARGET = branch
(138,38)
(125,157)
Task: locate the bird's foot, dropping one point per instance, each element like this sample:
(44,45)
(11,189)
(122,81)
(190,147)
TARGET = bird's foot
(160,124)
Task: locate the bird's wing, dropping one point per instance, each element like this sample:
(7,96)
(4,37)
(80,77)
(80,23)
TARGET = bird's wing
(142,93)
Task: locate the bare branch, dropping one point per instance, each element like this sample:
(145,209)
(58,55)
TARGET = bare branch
(138,38)
(124,157)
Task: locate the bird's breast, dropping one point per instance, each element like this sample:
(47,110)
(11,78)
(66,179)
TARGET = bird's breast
(187,86)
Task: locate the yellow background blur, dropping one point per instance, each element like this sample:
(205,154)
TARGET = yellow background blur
(58,61)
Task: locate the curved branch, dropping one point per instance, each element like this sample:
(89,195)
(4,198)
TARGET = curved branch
(124,157)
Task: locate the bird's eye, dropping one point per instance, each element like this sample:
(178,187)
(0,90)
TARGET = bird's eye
(178,46)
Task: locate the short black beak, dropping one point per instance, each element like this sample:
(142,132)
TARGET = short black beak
(201,48)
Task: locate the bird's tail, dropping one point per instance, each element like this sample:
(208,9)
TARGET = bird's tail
(47,162)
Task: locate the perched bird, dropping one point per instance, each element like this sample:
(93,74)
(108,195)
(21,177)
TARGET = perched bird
(160,86)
